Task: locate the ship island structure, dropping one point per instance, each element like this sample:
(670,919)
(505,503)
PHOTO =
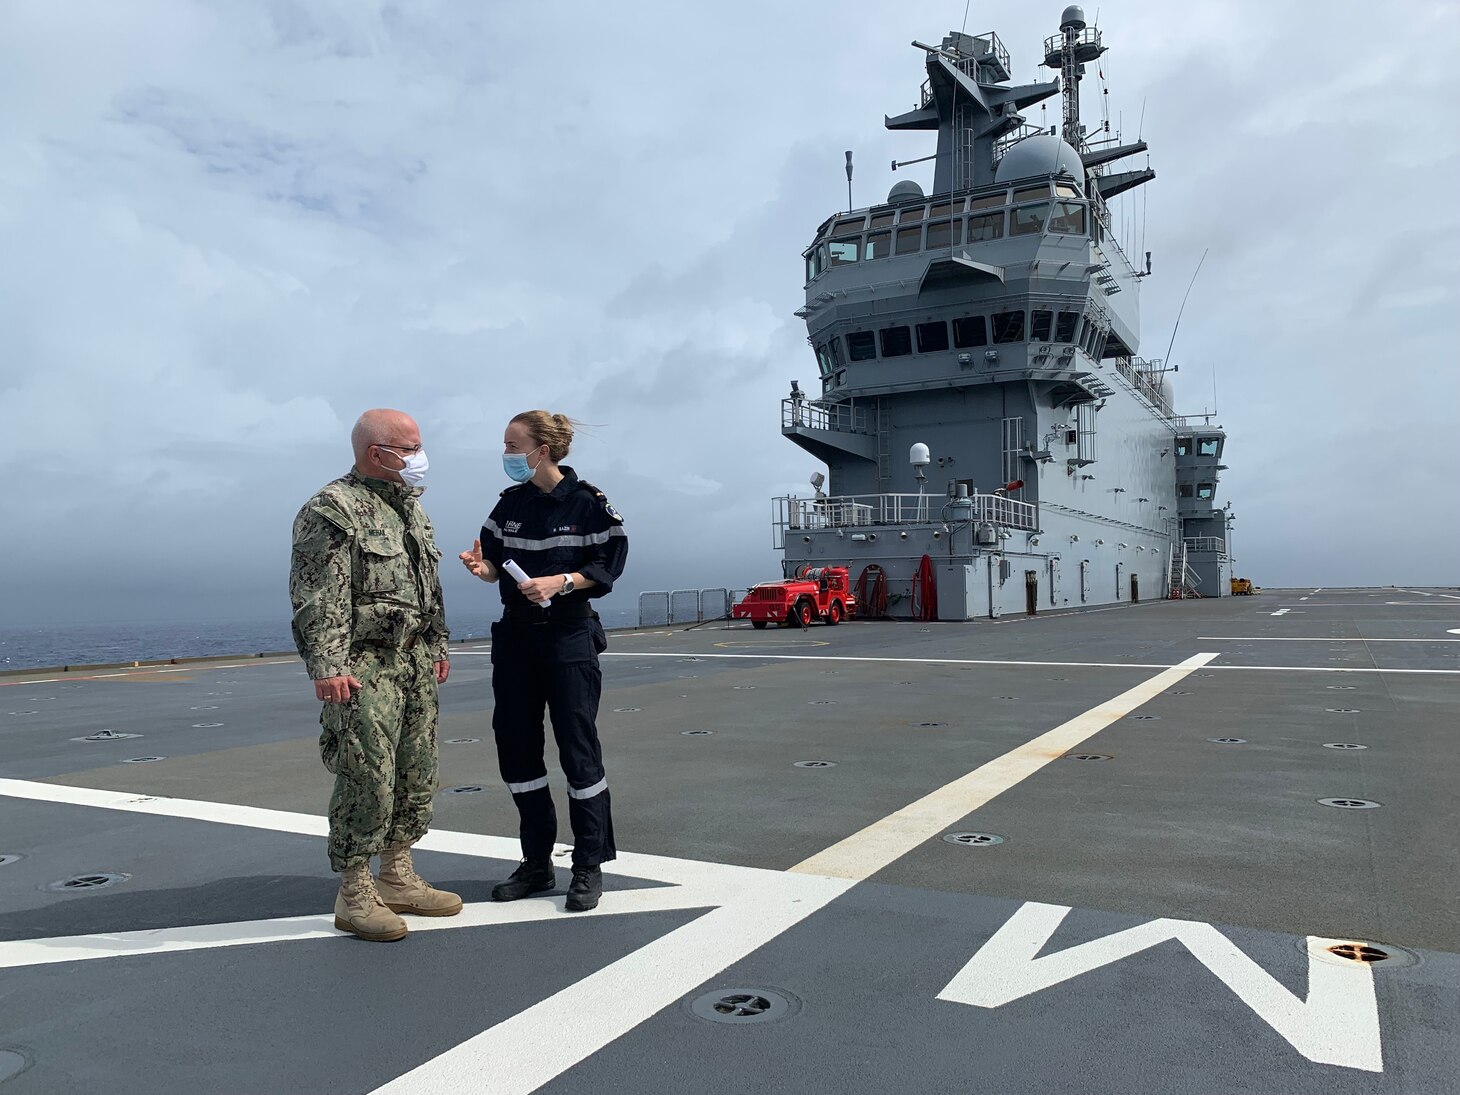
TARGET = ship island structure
(994,442)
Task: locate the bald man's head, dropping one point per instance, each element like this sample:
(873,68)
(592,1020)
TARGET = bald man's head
(394,432)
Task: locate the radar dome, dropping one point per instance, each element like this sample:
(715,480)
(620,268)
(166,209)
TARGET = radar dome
(1039,157)
(1074,16)
(904,190)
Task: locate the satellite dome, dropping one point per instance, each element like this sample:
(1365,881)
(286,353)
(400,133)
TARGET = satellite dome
(1039,157)
(1074,16)
(904,190)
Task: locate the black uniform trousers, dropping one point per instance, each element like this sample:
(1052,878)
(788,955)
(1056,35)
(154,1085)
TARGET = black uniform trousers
(552,665)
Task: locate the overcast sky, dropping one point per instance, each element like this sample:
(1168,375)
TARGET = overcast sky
(226,228)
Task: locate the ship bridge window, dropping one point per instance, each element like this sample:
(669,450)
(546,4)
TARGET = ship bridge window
(986,226)
(1068,219)
(1185,490)
(835,349)
(861,346)
(970,331)
(1008,326)
(1209,446)
(1066,190)
(815,263)
(909,240)
(932,337)
(1064,327)
(846,251)
(1039,325)
(1029,219)
(1183,446)
(1205,490)
(1092,339)
(879,245)
(1030,192)
(896,341)
(912,216)
(823,361)
(942,209)
(848,225)
(989,201)
(883,220)
(940,234)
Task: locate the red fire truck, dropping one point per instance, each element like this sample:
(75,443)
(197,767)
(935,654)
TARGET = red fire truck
(816,593)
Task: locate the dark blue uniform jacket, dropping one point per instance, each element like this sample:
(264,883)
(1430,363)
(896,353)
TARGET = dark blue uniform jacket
(570,529)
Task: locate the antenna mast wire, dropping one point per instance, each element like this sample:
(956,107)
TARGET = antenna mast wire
(1177,324)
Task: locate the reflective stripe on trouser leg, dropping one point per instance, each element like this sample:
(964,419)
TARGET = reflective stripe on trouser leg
(520,687)
(573,704)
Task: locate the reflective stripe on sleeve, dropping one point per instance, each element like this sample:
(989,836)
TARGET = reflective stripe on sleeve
(530,785)
(588,792)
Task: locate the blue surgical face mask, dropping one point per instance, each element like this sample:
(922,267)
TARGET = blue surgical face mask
(516,466)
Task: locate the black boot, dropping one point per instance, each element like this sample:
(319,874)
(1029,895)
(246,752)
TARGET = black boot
(585,889)
(529,878)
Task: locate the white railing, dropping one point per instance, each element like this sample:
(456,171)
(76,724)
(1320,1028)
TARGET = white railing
(1206,543)
(862,510)
(836,417)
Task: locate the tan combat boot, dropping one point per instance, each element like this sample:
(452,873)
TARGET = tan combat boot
(358,908)
(404,891)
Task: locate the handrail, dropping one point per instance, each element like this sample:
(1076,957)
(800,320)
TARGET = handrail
(833,417)
(1206,543)
(873,510)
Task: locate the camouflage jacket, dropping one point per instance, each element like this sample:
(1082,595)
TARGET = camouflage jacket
(364,569)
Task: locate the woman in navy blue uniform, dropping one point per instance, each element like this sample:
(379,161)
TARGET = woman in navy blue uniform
(570,541)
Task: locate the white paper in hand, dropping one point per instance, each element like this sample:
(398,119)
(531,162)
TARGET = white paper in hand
(511,567)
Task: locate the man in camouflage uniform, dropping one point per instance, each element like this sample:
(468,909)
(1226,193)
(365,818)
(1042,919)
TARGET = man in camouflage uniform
(369,623)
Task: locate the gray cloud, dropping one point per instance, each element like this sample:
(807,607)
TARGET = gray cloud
(228,229)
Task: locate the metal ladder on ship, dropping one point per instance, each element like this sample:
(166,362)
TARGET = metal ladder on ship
(1181,580)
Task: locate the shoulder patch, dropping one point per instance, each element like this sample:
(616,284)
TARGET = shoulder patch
(509,490)
(602,499)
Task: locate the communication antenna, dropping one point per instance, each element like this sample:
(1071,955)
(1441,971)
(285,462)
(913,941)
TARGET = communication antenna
(849,180)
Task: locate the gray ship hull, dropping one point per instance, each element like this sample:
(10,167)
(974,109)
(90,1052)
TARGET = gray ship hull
(947,898)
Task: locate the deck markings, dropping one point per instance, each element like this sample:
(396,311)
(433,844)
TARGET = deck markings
(1338,1023)
(882,843)
(612,1001)
(1313,639)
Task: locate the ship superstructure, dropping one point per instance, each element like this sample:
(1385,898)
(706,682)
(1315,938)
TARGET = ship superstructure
(983,402)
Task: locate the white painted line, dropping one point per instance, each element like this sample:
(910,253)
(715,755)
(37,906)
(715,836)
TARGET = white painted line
(863,854)
(1302,598)
(77,948)
(1282,612)
(1048,665)
(685,872)
(535,1046)
(1338,1023)
(1276,639)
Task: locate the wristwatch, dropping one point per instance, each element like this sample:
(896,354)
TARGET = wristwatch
(567,583)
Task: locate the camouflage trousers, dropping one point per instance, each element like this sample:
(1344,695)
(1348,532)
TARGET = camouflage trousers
(381,747)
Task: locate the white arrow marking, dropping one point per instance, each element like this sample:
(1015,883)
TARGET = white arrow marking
(1337,1025)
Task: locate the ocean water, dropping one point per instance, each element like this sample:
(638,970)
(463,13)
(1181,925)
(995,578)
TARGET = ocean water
(43,646)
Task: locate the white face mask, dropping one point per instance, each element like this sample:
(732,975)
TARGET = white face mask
(413,470)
